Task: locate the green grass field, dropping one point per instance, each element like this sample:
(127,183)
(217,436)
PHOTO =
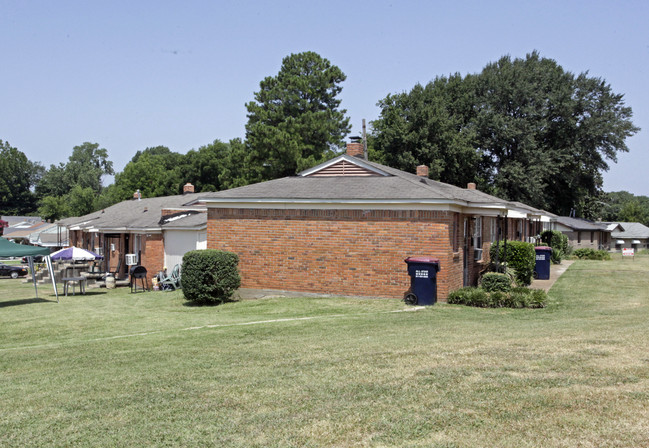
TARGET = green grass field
(120,369)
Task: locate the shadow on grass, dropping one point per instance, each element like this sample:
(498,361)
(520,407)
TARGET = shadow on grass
(88,293)
(191,304)
(24,302)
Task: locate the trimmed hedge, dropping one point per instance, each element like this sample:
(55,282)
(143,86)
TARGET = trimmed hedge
(591,254)
(521,257)
(516,298)
(495,281)
(210,276)
(559,244)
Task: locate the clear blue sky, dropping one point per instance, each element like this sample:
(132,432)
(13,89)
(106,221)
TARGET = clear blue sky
(134,74)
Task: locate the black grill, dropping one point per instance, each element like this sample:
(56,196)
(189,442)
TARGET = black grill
(138,272)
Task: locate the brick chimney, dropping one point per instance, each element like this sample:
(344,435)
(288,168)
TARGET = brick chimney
(355,148)
(422,170)
(188,188)
(137,195)
(470,186)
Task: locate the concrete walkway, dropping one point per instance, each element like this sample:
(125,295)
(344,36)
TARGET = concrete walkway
(555,272)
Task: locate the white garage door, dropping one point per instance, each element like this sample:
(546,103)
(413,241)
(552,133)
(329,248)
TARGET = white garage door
(177,242)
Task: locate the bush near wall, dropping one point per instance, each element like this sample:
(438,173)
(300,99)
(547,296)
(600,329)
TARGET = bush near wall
(210,276)
(559,244)
(521,257)
(591,254)
(516,298)
(495,281)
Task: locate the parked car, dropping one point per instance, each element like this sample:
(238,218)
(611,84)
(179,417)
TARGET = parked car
(37,259)
(12,271)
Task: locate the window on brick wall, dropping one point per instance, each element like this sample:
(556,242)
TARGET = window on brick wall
(456,228)
(494,230)
(592,236)
(477,233)
(137,241)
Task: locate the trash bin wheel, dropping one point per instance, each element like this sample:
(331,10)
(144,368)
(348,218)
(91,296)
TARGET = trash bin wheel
(410,299)
(536,275)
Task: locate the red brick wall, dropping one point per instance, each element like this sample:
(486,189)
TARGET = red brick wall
(351,252)
(152,254)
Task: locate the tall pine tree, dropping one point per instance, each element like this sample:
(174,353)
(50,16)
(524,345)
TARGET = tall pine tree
(294,121)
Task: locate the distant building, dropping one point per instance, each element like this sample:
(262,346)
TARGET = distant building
(629,235)
(582,233)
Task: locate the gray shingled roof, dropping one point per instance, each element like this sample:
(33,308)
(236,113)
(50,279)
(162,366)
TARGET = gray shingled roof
(632,230)
(581,224)
(133,214)
(397,185)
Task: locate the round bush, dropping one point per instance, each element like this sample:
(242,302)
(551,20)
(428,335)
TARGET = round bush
(495,281)
(520,256)
(210,276)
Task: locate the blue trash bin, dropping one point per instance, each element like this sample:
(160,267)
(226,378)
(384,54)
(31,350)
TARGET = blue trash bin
(542,267)
(423,280)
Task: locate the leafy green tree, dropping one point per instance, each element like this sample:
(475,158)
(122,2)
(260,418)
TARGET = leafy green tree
(85,167)
(430,125)
(53,182)
(634,211)
(204,167)
(18,176)
(523,129)
(109,196)
(52,208)
(294,121)
(626,207)
(80,200)
(235,167)
(154,171)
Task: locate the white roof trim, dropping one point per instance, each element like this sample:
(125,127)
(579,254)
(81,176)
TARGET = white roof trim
(339,204)
(352,160)
(516,214)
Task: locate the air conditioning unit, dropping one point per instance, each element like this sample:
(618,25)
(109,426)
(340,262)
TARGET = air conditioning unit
(131,259)
(99,251)
(477,254)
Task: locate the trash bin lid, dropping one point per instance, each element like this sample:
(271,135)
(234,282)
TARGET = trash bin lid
(542,248)
(430,260)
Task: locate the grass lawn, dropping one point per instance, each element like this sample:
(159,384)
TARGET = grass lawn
(117,369)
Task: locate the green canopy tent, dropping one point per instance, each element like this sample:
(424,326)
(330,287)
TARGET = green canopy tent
(11,249)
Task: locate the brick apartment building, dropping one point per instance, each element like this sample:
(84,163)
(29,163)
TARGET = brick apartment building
(157,231)
(346,226)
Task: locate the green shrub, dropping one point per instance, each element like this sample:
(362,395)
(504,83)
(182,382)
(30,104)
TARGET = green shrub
(495,281)
(478,297)
(497,299)
(591,254)
(462,296)
(519,297)
(210,276)
(538,299)
(559,244)
(520,256)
